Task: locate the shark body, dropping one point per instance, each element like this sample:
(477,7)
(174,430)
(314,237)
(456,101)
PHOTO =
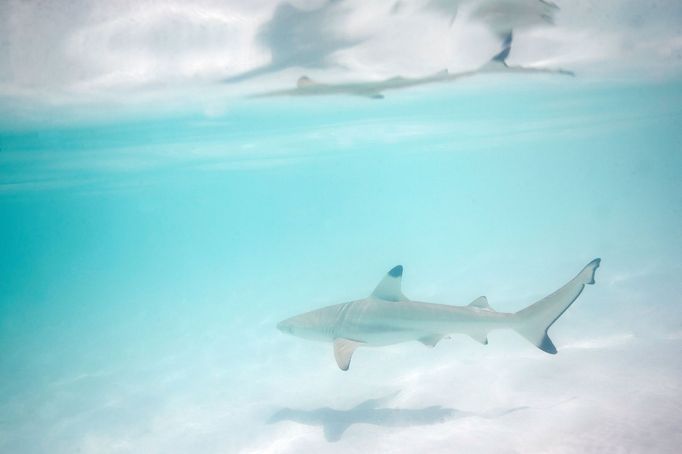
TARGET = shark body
(388,317)
(372,89)
(305,86)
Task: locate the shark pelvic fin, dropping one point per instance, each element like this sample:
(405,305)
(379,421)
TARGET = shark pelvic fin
(334,431)
(480,337)
(431,340)
(343,351)
(389,289)
(481,302)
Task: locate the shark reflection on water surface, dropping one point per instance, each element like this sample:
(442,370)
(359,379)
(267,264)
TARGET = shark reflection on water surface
(305,86)
(371,89)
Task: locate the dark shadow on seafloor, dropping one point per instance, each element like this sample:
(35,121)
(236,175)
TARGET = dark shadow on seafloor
(372,411)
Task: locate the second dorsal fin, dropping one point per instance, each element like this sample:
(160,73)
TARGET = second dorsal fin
(305,81)
(481,303)
(389,288)
(431,340)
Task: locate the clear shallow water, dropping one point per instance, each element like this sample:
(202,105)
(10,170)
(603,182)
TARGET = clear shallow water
(145,263)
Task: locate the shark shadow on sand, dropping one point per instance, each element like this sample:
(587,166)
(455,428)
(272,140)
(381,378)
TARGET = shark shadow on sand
(373,411)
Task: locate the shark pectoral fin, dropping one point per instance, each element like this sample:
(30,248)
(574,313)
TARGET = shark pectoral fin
(432,340)
(389,289)
(333,431)
(370,94)
(481,302)
(480,337)
(343,351)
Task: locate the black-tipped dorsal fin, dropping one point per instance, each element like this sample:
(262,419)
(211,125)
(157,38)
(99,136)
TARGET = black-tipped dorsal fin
(343,351)
(389,288)
(481,302)
(305,81)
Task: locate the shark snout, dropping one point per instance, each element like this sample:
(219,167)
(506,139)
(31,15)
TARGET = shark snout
(284,326)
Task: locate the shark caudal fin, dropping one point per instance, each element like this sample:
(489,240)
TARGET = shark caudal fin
(499,60)
(501,57)
(534,321)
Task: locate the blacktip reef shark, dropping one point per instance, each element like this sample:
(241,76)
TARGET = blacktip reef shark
(388,317)
(305,86)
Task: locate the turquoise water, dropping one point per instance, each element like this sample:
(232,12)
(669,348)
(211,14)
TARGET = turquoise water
(146,259)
